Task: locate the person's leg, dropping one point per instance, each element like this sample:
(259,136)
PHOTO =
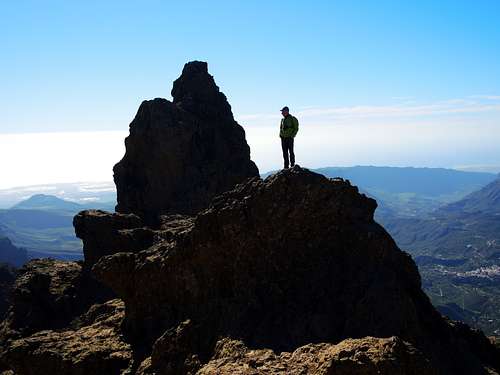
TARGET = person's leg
(292,154)
(284,148)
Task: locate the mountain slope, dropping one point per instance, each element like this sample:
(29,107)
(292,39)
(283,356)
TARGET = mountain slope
(11,254)
(99,194)
(485,200)
(42,233)
(47,203)
(458,252)
(411,192)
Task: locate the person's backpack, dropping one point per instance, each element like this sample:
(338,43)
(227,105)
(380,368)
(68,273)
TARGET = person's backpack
(295,123)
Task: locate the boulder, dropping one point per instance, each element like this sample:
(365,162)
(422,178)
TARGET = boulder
(104,233)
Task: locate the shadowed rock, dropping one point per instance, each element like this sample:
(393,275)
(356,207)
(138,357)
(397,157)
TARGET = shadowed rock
(95,348)
(104,233)
(49,294)
(180,154)
(278,264)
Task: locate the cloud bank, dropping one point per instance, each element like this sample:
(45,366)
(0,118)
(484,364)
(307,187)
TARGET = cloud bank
(462,133)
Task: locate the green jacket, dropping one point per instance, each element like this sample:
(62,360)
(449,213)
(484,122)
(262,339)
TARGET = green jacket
(289,126)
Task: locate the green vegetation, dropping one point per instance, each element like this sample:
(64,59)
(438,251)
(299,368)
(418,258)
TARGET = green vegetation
(457,249)
(42,232)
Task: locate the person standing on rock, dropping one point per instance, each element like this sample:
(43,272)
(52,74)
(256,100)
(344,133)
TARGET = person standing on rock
(289,127)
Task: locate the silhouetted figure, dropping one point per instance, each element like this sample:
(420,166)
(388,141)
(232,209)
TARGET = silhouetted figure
(289,127)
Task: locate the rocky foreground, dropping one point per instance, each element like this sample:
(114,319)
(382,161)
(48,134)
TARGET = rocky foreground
(287,275)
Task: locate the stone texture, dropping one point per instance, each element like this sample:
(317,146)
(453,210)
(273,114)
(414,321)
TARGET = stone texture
(98,347)
(48,294)
(281,263)
(104,233)
(180,154)
(365,356)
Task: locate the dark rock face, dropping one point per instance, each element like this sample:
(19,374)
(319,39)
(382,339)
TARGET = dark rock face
(278,264)
(103,233)
(49,294)
(180,155)
(97,347)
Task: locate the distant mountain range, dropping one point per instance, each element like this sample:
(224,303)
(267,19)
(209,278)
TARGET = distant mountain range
(429,182)
(102,194)
(457,248)
(409,191)
(485,201)
(42,226)
(47,203)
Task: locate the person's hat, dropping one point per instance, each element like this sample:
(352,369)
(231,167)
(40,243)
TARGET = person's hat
(285,108)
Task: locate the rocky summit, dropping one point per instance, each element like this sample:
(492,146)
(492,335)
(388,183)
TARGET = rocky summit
(180,154)
(286,275)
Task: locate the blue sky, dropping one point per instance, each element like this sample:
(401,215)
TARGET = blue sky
(86,66)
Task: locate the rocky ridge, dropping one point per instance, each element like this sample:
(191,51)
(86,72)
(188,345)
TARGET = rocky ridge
(290,274)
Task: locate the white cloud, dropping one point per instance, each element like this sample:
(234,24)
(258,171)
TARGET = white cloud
(470,105)
(456,132)
(491,168)
(37,158)
(440,134)
(486,97)
(97,187)
(90,199)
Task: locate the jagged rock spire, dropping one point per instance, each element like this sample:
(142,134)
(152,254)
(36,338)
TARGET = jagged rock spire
(180,155)
(195,91)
